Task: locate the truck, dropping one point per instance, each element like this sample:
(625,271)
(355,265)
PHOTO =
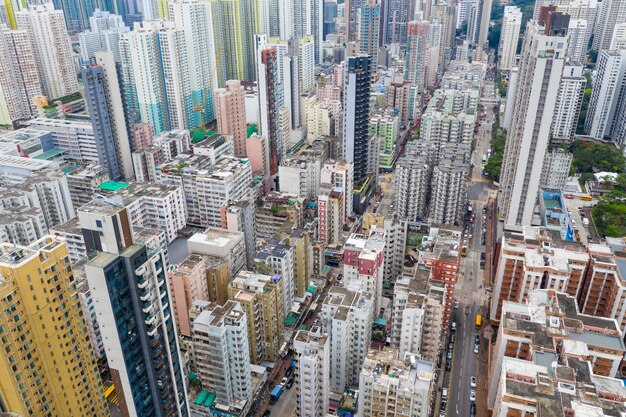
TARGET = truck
(479,321)
(585,222)
(276,393)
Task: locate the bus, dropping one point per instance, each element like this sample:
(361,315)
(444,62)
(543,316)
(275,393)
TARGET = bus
(479,321)
(586,197)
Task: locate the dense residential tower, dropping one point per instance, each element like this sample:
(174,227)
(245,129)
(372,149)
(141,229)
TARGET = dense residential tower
(509,36)
(541,67)
(568,103)
(230,112)
(53,51)
(158,52)
(356,109)
(129,286)
(311,374)
(368,27)
(42,373)
(19,77)
(194,18)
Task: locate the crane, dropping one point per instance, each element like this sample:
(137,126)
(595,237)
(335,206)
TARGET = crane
(199,107)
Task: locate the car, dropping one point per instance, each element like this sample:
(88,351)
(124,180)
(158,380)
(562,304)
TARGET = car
(475,348)
(473,410)
(482,265)
(452,338)
(444,394)
(483,256)
(449,355)
(453,326)
(473,382)
(289,372)
(290,383)
(456,304)
(569,196)
(448,365)
(443,405)
(472,395)
(477,340)
(267,413)
(283,382)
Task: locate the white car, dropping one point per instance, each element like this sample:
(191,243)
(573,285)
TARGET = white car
(473,382)
(456,305)
(472,395)
(475,348)
(283,382)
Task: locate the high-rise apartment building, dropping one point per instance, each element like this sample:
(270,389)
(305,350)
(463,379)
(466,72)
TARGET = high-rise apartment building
(53,51)
(261,298)
(448,186)
(350,14)
(578,40)
(19,77)
(556,168)
(397,14)
(208,185)
(610,14)
(509,36)
(269,100)
(604,292)
(234,28)
(531,260)
(417,54)
(347,316)
(608,90)
(619,37)
(541,66)
(543,362)
(368,31)
(478,26)
(230,112)
(103,95)
(188,284)
(240,217)
(363,263)
(395,386)
(417,315)
(412,182)
(104,35)
(277,258)
(311,373)
(356,109)
(385,126)
(42,373)
(339,174)
(128,283)
(222,356)
(568,103)
(194,18)
(160,66)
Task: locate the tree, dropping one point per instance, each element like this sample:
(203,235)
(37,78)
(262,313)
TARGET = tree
(595,157)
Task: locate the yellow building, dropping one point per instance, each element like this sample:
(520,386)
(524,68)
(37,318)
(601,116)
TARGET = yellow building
(47,366)
(218,277)
(372,219)
(300,241)
(261,297)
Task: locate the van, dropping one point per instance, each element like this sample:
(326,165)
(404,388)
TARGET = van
(453,326)
(444,394)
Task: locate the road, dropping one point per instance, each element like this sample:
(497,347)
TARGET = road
(469,290)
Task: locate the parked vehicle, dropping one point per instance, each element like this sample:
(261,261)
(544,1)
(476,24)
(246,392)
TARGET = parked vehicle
(276,393)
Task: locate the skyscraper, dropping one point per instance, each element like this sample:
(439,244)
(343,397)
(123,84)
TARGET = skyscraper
(269,99)
(53,51)
(509,36)
(541,66)
(128,283)
(308,20)
(103,94)
(158,53)
(194,18)
(19,79)
(610,14)
(608,86)
(351,11)
(396,15)
(568,103)
(368,28)
(104,35)
(356,111)
(48,366)
(478,26)
(77,13)
(230,111)
(417,54)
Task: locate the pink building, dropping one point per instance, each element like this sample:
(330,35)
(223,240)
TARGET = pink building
(143,134)
(230,112)
(363,264)
(188,284)
(258,153)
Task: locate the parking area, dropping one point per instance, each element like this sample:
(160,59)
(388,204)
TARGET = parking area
(573,205)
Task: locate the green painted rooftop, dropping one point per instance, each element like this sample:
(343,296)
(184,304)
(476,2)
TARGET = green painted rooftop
(112,185)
